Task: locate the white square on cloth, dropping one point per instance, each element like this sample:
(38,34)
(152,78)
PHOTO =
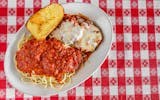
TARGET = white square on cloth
(112,55)
(157,36)
(143,37)
(10,93)
(156,3)
(96,90)
(142,4)
(158,55)
(145,72)
(128,54)
(11,20)
(61,1)
(146,89)
(112,72)
(129,72)
(130,90)
(127,37)
(126,4)
(45,3)
(126,20)
(79,91)
(29,3)
(110,4)
(94,2)
(144,54)
(12,3)
(142,20)
(157,20)
(113,90)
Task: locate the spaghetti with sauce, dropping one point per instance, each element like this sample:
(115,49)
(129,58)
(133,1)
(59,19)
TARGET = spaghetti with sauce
(49,58)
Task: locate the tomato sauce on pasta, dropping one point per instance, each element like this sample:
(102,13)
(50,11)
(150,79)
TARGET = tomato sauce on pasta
(48,57)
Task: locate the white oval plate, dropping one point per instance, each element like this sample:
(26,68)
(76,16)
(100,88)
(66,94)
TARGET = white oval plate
(94,62)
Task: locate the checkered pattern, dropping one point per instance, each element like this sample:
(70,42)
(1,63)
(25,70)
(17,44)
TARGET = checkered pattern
(132,70)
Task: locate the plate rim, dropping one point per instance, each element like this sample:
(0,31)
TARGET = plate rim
(49,94)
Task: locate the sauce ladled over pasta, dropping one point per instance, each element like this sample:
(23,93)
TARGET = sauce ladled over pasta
(48,57)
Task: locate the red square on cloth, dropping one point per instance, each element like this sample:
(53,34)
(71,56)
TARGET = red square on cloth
(2,84)
(3,11)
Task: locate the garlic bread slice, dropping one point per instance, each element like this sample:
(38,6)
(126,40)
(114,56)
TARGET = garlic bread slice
(45,20)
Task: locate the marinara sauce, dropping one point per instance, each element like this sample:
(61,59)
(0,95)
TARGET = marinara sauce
(48,57)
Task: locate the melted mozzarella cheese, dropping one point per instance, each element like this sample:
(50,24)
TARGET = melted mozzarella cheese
(85,36)
(90,39)
(68,32)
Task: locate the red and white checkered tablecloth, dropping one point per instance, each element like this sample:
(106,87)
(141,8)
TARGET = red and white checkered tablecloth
(132,70)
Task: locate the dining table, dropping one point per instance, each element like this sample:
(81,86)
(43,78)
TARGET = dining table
(132,68)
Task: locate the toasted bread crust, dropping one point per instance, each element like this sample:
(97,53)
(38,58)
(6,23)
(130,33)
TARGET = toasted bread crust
(45,20)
